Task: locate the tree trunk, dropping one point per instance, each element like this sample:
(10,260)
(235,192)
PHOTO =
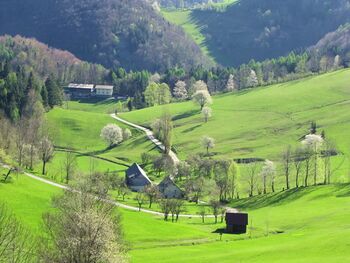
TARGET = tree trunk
(307,173)
(44,168)
(315,172)
(297,179)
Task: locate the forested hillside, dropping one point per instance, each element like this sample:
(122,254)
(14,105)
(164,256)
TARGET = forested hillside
(128,33)
(30,67)
(261,29)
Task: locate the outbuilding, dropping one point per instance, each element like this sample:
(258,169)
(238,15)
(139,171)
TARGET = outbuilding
(136,178)
(169,189)
(236,223)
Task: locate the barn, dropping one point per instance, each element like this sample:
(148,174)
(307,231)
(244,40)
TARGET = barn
(136,178)
(169,189)
(79,91)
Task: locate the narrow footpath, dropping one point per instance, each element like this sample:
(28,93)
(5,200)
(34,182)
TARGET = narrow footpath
(150,136)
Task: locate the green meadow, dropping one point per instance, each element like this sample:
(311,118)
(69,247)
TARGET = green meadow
(304,225)
(261,122)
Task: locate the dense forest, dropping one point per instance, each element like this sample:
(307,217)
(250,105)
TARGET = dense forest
(114,33)
(263,29)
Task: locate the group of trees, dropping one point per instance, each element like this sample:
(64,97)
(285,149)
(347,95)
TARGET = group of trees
(27,140)
(83,227)
(308,163)
(17,85)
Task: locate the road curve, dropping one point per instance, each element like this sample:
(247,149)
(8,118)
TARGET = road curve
(149,134)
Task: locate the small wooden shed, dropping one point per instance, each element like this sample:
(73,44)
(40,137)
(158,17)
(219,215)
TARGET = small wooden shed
(236,223)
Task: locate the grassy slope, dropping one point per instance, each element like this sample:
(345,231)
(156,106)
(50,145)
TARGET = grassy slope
(260,122)
(184,19)
(80,129)
(314,223)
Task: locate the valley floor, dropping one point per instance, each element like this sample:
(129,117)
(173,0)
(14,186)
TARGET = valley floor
(303,225)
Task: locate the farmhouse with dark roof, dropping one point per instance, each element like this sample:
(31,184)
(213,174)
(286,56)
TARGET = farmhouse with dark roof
(136,178)
(169,189)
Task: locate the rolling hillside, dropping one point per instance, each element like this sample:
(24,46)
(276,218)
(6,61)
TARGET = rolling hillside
(260,123)
(261,29)
(127,33)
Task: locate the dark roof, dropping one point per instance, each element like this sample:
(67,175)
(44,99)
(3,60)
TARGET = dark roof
(136,176)
(236,218)
(167,181)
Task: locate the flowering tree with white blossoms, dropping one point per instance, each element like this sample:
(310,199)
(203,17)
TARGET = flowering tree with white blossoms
(112,134)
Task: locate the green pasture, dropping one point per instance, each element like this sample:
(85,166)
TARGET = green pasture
(304,225)
(261,122)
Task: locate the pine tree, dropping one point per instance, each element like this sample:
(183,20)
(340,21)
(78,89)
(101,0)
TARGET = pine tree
(53,91)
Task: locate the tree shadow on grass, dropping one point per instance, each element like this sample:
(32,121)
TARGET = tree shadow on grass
(343,190)
(273,199)
(185,115)
(192,128)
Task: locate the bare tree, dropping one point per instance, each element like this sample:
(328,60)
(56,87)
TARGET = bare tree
(69,164)
(20,137)
(221,171)
(268,171)
(298,159)
(202,212)
(183,170)
(252,180)
(286,163)
(215,207)
(46,152)
(166,132)
(195,188)
(176,207)
(16,243)
(83,227)
(152,192)
(141,199)
(165,207)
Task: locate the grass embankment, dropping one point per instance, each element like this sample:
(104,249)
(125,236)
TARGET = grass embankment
(305,225)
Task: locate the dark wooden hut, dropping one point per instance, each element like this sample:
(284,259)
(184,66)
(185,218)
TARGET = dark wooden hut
(236,223)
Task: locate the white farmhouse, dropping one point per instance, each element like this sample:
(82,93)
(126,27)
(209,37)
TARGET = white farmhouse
(104,90)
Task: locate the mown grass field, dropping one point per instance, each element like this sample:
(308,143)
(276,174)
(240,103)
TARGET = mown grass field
(305,225)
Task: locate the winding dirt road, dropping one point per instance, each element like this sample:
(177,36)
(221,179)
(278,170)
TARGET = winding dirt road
(150,136)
